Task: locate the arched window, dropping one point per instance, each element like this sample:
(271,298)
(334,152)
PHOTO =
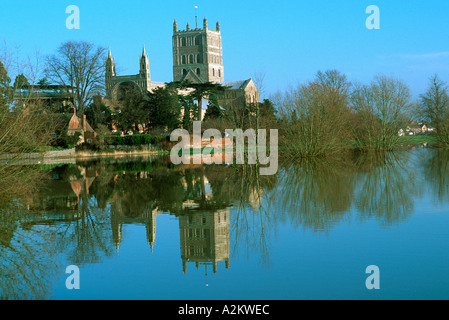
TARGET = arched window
(184,60)
(213,72)
(198,59)
(184,72)
(198,71)
(191,59)
(219,73)
(183,42)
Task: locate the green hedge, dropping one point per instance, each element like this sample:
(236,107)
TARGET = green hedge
(136,140)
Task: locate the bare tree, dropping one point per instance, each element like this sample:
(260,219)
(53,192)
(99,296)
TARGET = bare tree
(434,107)
(259,80)
(315,116)
(81,67)
(382,109)
(22,129)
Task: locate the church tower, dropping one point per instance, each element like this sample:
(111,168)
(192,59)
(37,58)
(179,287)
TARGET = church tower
(110,73)
(197,54)
(144,65)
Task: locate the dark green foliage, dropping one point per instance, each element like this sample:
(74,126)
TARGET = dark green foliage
(21,82)
(136,140)
(63,140)
(5,89)
(44,82)
(164,108)
(98,113)
(190,111)
(132,109)
(213,109)
(200,90)
(267,110)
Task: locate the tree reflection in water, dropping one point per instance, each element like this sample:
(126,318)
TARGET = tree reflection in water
(26,267)
(77,211)
(387,184)
(436,172)
(315,193)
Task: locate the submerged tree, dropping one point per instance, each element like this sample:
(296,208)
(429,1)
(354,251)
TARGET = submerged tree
(382,109)
(435,107)
(315,116)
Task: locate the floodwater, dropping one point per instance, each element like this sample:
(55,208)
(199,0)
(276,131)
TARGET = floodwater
(146,229)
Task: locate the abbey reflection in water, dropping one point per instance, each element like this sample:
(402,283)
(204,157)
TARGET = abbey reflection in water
(79,210)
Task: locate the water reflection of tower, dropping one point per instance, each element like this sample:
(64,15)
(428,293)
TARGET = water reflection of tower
(147,218)
(205,238)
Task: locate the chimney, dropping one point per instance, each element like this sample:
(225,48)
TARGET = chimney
(84,123)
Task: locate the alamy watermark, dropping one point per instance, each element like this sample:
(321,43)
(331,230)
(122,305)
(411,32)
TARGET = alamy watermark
(73,20)
(223,150)
(73,280)
(373,20)
(373,281)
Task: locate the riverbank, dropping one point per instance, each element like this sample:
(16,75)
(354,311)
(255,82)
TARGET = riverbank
(71,155)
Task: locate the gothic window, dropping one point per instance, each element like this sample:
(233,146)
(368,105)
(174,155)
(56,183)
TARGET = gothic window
(184,72)
(184,60)
(198,71)
(219,73)
(198,59)
(191,59)
(183,42)
(213,72)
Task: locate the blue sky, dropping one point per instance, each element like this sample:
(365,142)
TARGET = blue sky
(289,41)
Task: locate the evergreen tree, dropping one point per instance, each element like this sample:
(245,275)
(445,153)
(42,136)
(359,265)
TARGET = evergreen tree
(98,113)
(21,82)
(44,82)
(164,108)
(267,110)
(131,112)
(189,111)
(213,109)
(5,89)
(200,90)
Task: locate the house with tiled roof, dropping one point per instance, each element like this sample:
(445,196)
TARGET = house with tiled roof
(81,126)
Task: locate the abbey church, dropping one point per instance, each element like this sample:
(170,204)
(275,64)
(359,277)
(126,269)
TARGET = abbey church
(197,57)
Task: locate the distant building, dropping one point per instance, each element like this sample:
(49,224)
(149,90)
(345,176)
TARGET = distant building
(197,57)
(417,128)
(117,85)
(197,54)
(240,92)
(77,125)
(57,97)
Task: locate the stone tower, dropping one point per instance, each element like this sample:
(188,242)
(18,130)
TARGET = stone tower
(110,72)
(116,85)
(197,54)
(145,66)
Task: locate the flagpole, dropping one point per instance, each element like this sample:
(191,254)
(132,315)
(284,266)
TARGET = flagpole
(196,17)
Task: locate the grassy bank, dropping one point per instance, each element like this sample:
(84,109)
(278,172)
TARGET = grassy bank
(414,140)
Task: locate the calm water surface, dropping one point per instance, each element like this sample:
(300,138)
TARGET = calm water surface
(145,229)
